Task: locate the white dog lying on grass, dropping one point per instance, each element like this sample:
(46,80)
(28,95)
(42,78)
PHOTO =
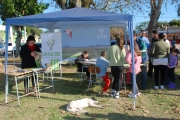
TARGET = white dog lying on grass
(78,105)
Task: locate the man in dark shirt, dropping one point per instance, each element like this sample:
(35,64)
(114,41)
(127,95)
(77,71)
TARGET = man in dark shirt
(154,39)
(80,66)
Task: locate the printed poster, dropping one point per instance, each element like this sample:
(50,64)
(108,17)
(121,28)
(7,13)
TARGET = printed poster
(51,49)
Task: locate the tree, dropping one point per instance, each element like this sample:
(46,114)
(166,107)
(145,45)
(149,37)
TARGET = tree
(17,8)
(178,10)
(67,4)
(33,30)
(174,22)
(142,26)
(151,8)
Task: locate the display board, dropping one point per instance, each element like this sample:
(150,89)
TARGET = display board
(51,48)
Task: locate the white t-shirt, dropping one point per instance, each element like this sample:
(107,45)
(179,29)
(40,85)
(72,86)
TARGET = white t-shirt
(167,41)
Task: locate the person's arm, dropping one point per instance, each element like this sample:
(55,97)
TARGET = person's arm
(147,43)
(129,58)
(37,49)
(79,58)
(168,54)
(108,54)
(153,50)
(105,63)
(123,55)
(24,54)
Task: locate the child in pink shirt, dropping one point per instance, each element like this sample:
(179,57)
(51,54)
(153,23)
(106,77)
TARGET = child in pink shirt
(137,69)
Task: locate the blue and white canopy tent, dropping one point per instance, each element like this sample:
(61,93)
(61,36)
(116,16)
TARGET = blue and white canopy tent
(73,18)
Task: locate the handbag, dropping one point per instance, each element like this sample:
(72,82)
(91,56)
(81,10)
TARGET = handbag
(159,61)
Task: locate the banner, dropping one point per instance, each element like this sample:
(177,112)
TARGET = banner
(51,48)
(78,39)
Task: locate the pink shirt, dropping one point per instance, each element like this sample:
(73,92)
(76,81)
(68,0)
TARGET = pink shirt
(137,64)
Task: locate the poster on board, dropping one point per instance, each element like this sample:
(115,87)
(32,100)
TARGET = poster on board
(51,49)
(75,40)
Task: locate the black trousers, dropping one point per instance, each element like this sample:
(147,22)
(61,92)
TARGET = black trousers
(84,70)
(171,74)
(159,69)
(150,69)
(117,72)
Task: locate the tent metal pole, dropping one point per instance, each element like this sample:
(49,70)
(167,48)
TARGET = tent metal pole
(132,52)
(6,62)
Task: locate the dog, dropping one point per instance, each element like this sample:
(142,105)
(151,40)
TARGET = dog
(77,106)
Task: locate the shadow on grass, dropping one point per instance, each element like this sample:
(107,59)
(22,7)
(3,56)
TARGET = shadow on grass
(113,116)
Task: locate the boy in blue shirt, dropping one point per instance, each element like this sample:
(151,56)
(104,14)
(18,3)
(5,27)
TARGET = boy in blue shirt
(103,64)
(143,44)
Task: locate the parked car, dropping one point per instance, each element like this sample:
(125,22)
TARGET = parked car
(14,49)
(10,48)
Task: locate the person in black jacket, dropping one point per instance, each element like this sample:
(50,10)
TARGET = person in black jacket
(83,57)
(154,39)
(28,54)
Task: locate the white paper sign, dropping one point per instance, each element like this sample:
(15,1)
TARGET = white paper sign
(51,47)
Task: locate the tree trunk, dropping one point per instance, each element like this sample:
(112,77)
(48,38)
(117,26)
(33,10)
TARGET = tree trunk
(18,40)
(155,13)
(62,4)
(78,3)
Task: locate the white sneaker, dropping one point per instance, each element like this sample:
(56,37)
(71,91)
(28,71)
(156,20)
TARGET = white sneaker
(162,87)
(112,94)
(138,94)
(156,87)
(116,96)
(132,95)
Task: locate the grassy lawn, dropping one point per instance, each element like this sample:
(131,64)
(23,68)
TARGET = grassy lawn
(151,105)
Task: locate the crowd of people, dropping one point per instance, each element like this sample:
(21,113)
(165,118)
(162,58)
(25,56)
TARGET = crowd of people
(158,54)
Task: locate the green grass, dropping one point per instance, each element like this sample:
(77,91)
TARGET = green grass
(151,105)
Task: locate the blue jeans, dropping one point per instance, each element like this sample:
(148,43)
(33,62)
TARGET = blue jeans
(144,75)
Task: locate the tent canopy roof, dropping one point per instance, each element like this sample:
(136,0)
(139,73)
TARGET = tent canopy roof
(71,17)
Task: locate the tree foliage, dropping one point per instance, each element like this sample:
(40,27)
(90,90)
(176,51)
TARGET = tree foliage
(174,22)
(33,31)
(160,25)
(17,8)
(142,26)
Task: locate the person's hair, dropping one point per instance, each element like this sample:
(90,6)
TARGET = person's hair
(175,50)
(155,31)
(103,53)
(31,38)
(136,49)
(161,35)
(121,43)
(143,31)
(85,52)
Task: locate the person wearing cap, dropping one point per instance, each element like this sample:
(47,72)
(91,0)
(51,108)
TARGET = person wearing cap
(28,54)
